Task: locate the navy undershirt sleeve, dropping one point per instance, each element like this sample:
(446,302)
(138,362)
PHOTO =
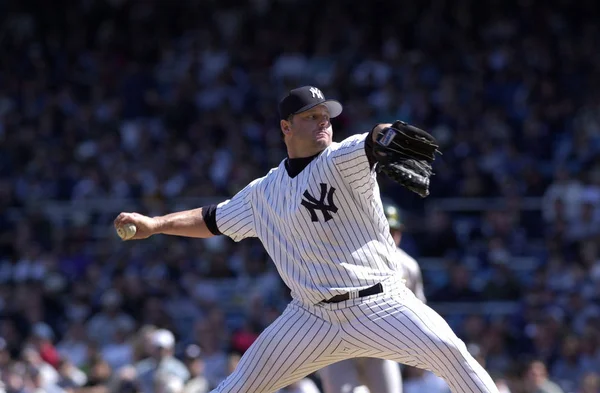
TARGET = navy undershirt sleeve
(209,215)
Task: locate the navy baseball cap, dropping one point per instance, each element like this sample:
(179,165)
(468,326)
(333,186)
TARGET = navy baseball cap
(305,98)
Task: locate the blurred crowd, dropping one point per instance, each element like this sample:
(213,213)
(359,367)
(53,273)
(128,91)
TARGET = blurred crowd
(110,105)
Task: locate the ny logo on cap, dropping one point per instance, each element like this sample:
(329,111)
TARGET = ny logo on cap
(316,93)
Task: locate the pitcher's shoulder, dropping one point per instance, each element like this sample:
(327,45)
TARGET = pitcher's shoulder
(348,143)
(271,175)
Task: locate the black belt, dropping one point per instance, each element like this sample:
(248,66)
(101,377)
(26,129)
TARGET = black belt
(374,290)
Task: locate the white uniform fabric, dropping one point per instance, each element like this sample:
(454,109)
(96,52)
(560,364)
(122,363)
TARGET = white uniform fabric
(376,375)
(327,234)
(347,247)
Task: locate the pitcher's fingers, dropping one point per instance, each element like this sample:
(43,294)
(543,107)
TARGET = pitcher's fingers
(116,220)
(121,219)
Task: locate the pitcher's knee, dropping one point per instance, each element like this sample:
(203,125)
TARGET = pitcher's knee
(452,349)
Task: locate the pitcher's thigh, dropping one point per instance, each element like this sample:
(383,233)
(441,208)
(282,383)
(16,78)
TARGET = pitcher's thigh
(412,333)
(293,346)
(340,377)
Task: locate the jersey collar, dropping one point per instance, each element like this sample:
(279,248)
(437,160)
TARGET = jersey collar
(294,166)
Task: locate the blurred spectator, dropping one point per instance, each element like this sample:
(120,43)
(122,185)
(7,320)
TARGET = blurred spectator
(476,351)
(119,352)
(502,385)
(568,370)
(98,371)
(195,364)
(38,383)
(535,379)
(216,360)
(243,338)
(74,344)
(41,339)
(440,237)
(125,380)
(165,382)
(417,380)
(590,383)
(458,289)
(498,356)
(586,223)
(562,198)
(232,361)
(45,374)
(5,358)
(15,378)
(105,325)
(544,341)
(141,342)
(305,385)
(502,284)
(473,329)
(161,361)
(70,377)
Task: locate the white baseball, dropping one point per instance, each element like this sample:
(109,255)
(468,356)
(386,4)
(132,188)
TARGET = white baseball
(127,231)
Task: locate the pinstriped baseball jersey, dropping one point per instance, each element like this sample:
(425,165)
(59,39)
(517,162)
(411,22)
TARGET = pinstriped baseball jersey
(324,228)
(322,221)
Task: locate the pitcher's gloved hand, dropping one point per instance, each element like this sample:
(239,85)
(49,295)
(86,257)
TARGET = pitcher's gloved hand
(405,154)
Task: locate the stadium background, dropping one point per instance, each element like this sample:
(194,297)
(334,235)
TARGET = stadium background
(155,106)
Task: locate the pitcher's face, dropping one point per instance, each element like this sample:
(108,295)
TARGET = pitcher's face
(308,133)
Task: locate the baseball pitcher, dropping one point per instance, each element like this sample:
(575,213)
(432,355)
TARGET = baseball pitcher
(320,217)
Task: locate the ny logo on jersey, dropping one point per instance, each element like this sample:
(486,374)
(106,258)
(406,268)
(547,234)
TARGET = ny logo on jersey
(316,93)
(312,204)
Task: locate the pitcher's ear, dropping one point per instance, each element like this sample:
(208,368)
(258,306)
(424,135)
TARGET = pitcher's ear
(285,126)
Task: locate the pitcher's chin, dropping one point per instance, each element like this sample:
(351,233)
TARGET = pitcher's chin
(323,142)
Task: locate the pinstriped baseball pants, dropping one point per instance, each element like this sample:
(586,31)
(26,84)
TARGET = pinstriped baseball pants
(392,325)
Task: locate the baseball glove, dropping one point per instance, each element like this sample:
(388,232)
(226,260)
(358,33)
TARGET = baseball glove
(405,154)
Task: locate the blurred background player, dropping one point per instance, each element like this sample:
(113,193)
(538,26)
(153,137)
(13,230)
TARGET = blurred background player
(377,375)
(412,271)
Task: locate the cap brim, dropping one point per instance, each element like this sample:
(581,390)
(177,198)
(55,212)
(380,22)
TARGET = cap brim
(334,107)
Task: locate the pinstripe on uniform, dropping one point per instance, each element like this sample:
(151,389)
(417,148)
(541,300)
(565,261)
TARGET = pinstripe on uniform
(348,248)
(378,375)
(322,259)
